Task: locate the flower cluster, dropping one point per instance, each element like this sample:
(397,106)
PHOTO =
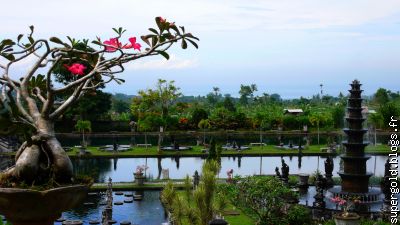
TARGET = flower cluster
(338,201)
(140,169)
(113,44)
(183,120)
(345,204)
(76,68)
(164,21)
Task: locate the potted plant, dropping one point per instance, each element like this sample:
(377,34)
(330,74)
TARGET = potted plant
(229,174)
(139,175)
(345,217)
(72,68)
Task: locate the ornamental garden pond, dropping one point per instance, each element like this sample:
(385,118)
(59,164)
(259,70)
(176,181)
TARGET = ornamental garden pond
(208,160)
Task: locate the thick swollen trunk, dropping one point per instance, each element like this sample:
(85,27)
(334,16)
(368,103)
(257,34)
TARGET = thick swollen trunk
(43,157)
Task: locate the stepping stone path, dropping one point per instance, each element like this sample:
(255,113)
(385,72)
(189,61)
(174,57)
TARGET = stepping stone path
(137,197)
(128,195)
(60,220)
(92,193)
(118,203)
(119,193)
(112,222)
(88,203)
(72,222)
(125,223)
(94,222)
(128,200)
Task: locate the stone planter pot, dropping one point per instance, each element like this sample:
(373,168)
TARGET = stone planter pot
(24,206)
(139,178)
(303,179)
(351,219)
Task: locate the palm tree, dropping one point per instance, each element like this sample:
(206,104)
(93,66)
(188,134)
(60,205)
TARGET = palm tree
(145,126)
(82,126)
(204,124)
(376,120)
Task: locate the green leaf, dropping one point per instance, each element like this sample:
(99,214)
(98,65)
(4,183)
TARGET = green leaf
(183,29)
(146,39)
(71,40)
(169,36)
(7,42)
(189,35)
(119,81)
(153,30)
(8,56)
(154,40)
(163,54)
(31,40)
(184,44)
(31,27)
(19,37)
(96,42)
(193,43)
(56,40)
(162,39)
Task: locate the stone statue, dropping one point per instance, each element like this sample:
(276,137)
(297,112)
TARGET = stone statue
(328,171)
(278,174)
(285,171)
(319,196)
(385,184)
(387,168)
(196,179)
(115,146)
(176,145)
(108,210)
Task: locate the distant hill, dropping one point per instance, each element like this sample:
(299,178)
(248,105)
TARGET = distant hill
(123,97)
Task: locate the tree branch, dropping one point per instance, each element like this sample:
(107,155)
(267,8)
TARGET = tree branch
(68,102)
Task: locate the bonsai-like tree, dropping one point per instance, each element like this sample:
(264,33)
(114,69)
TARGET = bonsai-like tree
(91,65)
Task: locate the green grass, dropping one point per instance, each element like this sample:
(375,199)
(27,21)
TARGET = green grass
(241,219)
(268,150)
(196,151)
(377,149)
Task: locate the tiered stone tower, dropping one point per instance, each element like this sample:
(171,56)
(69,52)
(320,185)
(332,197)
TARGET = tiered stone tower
(354,175)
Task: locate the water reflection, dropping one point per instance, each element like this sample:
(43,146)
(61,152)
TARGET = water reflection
(122,169)
(149,211)
(191,139)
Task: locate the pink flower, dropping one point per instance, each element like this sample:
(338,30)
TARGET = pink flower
(336,200)
(76,68)
(140,169)
(113,45)
(342,202)
(133,44)
(162,20)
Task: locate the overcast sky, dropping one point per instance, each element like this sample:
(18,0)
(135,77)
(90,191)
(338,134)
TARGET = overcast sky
(288,47)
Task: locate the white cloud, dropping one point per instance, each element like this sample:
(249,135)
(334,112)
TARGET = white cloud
(90,17)
(174,63)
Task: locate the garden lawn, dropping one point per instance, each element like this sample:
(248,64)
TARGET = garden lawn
(268,150)
(241,219)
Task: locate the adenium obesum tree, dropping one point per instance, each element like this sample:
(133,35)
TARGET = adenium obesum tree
(91,65)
